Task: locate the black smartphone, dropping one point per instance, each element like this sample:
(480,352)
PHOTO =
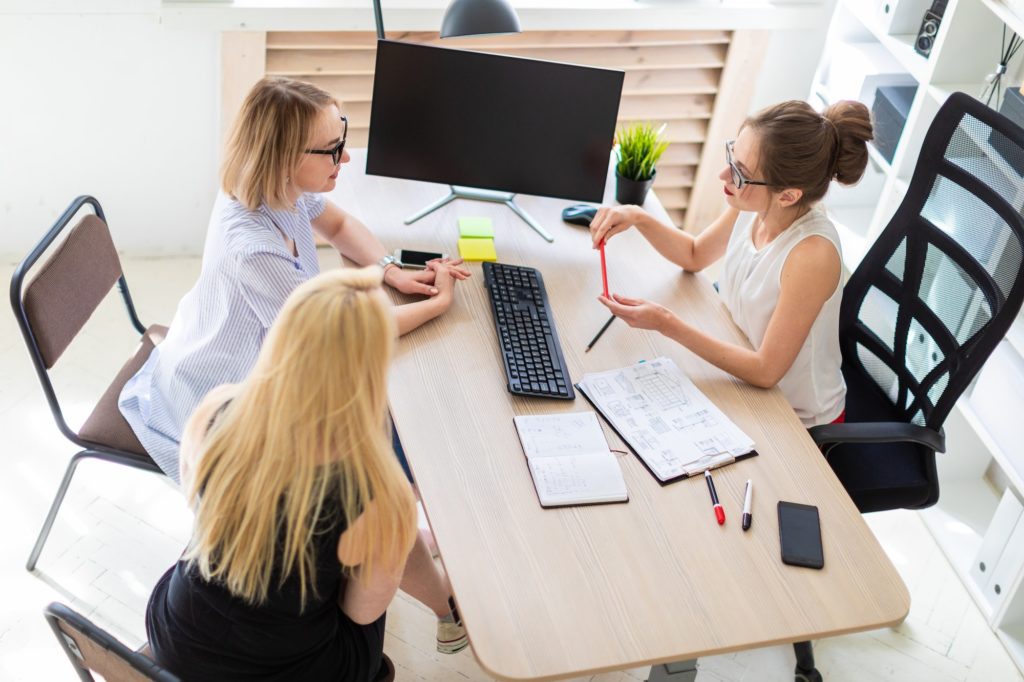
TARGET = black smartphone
(416,260)
(800,535)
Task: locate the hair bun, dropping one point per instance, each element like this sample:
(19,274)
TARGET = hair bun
(852,123)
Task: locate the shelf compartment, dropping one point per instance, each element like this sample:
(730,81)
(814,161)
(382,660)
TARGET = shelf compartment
(852,210)
(993,410)
(900,46)
(849,221)
(1012,636)
(958,523)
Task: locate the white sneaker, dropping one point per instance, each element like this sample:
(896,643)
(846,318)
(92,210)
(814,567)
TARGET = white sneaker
(451,637)
(451,634)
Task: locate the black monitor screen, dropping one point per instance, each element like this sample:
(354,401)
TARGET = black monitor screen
(492,121)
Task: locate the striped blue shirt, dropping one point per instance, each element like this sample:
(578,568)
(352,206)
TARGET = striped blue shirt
(219,327)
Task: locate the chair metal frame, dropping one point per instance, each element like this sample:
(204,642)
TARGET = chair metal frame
(56,613)
(90,449)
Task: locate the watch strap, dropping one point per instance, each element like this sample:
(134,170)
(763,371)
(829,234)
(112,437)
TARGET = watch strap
(385,261)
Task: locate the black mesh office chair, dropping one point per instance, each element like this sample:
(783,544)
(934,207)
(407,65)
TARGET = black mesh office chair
(51,308)
(932,298)
(925,308)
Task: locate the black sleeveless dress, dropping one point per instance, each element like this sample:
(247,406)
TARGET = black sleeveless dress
(200,631)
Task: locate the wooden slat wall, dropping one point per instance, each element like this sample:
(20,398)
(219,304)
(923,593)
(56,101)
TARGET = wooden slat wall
(672,77)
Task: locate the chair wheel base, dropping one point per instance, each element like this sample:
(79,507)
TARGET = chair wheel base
(812,675)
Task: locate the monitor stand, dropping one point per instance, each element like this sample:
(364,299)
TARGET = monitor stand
(507,198)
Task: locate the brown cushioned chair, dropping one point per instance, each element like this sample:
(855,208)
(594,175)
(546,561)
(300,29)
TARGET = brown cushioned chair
(51,309)
(91,649)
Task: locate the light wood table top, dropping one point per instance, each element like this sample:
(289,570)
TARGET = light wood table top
(553,593)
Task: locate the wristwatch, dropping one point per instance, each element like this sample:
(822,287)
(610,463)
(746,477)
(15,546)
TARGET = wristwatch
(385,261)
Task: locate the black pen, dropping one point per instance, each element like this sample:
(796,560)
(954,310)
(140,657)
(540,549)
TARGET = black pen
(599,333)
(748,517)
(719,509)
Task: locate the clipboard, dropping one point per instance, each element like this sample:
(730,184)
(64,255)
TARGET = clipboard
(697,468)
(691,468)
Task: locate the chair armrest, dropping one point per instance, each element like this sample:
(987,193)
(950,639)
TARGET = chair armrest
(878,432)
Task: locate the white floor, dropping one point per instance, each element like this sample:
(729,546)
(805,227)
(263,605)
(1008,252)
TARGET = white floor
(118,530)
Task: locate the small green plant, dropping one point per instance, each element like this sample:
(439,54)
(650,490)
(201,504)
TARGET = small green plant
(640,147)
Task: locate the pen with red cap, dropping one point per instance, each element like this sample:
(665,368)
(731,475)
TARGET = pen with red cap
(719,509)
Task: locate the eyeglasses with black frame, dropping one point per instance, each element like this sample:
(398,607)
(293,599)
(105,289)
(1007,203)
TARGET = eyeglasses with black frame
(737,177)
(337,150)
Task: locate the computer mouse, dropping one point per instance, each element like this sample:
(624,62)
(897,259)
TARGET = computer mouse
(579,214)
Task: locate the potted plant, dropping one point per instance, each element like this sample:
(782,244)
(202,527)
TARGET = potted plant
(639,148)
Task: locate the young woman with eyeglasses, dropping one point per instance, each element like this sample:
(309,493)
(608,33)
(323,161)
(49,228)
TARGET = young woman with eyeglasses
(303,517)
(781,279)
(285,151)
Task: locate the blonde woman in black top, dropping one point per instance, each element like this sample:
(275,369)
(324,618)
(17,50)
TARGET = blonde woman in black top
(303,517)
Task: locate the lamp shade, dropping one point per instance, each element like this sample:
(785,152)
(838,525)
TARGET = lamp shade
(477,17)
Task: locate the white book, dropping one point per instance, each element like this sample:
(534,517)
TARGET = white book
(569,459)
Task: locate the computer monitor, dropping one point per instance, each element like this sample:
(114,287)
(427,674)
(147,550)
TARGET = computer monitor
(492,121)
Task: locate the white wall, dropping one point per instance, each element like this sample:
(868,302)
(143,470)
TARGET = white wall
(789,65)
(114,104)
(118,99)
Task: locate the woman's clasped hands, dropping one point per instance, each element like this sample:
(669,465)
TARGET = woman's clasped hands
(425,282)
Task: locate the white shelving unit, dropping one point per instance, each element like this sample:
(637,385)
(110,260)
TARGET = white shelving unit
(973,522)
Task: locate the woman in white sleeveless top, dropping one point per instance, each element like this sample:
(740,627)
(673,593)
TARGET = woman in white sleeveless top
(782,275)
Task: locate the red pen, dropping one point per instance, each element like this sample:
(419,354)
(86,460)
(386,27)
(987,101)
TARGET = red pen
(719,510)
(604,270)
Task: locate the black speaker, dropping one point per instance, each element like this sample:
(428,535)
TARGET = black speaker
(929,28)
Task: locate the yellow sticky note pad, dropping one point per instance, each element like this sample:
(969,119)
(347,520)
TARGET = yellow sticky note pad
(476,228)
(477,249)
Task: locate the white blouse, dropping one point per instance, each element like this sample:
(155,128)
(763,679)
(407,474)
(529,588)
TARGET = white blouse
(750,285)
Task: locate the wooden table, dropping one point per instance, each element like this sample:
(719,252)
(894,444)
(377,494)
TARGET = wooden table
(548,594)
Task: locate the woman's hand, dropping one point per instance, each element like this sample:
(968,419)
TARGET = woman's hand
(445,275)
(610,220)
(423,281)
(442,273)
(638,313)
(453,265)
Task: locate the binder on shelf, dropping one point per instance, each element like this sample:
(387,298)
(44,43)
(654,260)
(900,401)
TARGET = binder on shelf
(997,536)
(1007,571)
(666,421)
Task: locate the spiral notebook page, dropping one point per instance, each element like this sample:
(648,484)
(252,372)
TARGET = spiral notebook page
(569,459)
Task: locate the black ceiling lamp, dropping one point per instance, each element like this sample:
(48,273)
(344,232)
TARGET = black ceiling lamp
(468,18)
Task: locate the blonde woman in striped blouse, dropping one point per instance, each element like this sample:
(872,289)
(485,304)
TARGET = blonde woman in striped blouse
(285,151)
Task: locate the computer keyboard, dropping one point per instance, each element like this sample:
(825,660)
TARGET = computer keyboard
(533,358)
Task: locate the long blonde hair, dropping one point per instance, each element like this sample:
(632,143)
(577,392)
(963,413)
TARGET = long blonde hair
(310,420)
(274,127)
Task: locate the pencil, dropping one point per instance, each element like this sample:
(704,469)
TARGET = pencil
(594,340)
(604,274)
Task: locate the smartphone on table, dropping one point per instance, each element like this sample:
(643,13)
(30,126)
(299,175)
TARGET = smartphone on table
(416,260)
(800,535)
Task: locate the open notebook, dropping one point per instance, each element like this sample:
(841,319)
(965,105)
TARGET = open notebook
(664,418)
(569,459)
